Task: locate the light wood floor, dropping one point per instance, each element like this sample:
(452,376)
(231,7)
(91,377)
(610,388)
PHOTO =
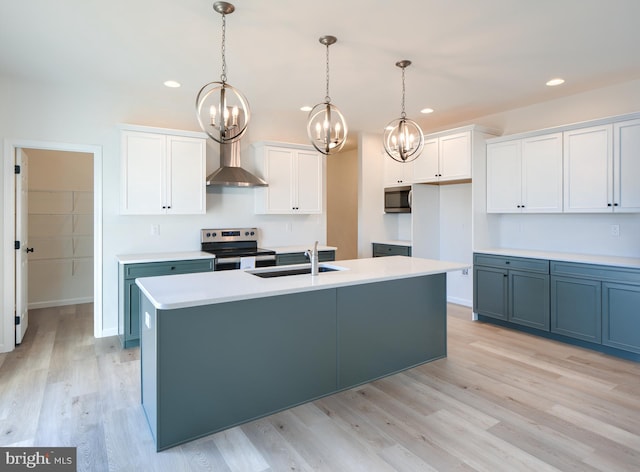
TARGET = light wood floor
(502,400)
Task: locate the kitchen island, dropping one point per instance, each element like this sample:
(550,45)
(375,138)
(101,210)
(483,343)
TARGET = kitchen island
(220,349)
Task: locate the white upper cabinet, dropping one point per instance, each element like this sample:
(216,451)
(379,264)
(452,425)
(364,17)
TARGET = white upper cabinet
(504,170)
(588,170)
(294,174)
(397,173)
(444,158)
(626,166)
(162,173)
(525,175)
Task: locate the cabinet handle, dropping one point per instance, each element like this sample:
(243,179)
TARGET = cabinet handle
(608,204)
(507,262)
(173,267)
(615,204)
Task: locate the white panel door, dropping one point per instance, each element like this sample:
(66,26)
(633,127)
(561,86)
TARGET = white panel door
(396,173)
(280,177)
(425,167)
(143,158)
(309,182)
(455,156)
(22,235)
(186,167)
(588,170)
(626,166)
(542,174)
(503,177)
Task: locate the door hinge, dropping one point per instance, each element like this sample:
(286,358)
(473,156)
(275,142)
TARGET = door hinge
(17,245)
(17,169)
(17,320)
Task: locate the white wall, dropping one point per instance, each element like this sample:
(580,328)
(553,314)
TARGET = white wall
(32,111)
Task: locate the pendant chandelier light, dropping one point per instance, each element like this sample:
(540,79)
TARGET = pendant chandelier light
(223,111)
(403,139)
(326,127)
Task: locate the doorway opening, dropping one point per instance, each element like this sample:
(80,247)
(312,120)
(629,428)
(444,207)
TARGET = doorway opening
(66,224)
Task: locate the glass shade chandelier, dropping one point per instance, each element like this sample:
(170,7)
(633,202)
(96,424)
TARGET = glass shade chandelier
(326,127)
(403,139)
(223,111)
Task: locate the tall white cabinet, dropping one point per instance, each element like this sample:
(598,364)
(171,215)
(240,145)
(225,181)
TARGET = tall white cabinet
(163,172)
(295,177)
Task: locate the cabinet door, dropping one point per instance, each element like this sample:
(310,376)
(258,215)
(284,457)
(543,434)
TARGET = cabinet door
(576,309)
(621,316)
(397,173)
(626,166)
(503,177)
(490,289)
(542,174)
(455,156)
(142,167)
(308,185)
(280,177)
(425,167)
(588,170)
(186,169)
(529,299)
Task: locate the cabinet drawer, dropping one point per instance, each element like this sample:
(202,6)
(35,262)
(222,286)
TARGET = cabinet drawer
(291,258)
(380,250)
(153,269)
(505,262)
(594,271)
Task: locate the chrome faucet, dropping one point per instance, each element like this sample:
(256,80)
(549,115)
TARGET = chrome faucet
(313,257)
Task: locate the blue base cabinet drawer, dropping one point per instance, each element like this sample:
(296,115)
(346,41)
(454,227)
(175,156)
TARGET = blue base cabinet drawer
(290,258)
(381,250)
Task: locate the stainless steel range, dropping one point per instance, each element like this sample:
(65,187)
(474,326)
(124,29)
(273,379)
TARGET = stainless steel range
(231,245)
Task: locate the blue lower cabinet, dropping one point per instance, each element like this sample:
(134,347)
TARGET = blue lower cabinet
(290,258)
(594,306)
(490,292)
(576,308)
(621,316)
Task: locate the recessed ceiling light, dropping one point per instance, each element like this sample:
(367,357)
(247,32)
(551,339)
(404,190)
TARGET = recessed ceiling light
(305,108)
(426,111)
(554,82)
(172,84)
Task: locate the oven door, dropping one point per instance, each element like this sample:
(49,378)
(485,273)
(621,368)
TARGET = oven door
(230,263)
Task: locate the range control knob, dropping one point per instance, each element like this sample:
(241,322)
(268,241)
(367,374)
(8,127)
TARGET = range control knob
(253,233)
(214,234)
(208,235)
(246,233)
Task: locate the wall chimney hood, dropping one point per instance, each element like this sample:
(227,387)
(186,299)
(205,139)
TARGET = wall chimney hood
(230,173)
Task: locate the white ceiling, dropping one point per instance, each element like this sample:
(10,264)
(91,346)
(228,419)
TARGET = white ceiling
(470,57)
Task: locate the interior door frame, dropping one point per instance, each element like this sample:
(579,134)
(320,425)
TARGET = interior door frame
(7,342)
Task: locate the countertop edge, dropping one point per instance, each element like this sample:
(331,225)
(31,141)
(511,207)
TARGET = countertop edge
(616,261)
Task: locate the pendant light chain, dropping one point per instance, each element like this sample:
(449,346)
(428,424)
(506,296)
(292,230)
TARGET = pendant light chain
(327,99)
(223,76)
(403,114)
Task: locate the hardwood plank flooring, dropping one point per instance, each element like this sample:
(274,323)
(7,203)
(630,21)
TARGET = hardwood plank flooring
(501,401)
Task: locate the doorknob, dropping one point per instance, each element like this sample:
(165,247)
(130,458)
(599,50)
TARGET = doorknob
(29,249)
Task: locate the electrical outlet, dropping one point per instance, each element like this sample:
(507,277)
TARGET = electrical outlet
(465,272)
(155,230)
(615,230)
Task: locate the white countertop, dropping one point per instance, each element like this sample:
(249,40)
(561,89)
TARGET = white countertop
(393,242)
(162,257)
(290,249)
(205,288)
(630,262)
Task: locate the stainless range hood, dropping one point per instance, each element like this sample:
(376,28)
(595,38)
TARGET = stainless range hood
(230,173)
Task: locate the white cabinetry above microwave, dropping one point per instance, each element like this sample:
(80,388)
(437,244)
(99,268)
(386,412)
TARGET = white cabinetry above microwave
(397,173)
(162,173)
(294,174)
(444,158)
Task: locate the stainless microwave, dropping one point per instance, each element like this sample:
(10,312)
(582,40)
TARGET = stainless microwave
(397,199)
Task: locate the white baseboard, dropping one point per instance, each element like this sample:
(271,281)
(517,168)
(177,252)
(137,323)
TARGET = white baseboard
(55,303)
(108,332)
(460,301)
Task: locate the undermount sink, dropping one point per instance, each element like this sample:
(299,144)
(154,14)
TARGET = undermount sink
(285,271)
